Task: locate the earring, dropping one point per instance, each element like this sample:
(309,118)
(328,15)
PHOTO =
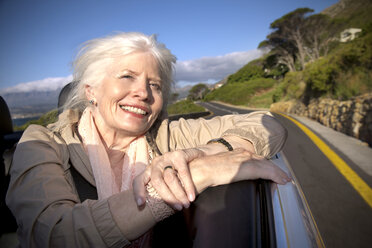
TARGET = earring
(91,102)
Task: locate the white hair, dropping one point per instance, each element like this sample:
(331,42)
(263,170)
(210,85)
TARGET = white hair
(95,56)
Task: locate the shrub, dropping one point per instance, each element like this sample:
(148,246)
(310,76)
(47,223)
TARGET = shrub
(320,75)
(353,84)
(278,93)
(292,86)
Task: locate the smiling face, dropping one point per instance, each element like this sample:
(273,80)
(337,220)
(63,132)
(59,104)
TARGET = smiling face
(129,98)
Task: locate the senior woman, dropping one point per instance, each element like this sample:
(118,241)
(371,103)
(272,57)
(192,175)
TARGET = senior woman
(114,133)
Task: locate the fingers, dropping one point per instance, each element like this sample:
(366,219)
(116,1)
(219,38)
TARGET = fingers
(171,177)
(279,176)
(158,182)
(178,181)
(180,162)
(139,187)
(274,173)
(265,169)
(172,181)
(245,165)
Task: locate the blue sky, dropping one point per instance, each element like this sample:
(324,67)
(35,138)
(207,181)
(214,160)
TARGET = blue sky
(211,38)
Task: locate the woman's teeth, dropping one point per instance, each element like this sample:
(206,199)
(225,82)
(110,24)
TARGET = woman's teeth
(134,110)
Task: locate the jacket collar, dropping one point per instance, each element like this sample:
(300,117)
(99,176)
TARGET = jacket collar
(78,157)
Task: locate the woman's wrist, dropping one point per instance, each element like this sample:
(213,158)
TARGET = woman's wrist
(199,170)
(212,148)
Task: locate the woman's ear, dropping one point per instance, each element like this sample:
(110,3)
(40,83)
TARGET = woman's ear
(90,93)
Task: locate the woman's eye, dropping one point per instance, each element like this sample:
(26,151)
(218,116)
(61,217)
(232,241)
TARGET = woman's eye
(127,76)
(155,86)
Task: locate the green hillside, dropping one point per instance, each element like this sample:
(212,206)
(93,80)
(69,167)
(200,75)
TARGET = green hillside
(50,117)
(319,65)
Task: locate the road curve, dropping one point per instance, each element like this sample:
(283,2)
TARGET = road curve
(343,217)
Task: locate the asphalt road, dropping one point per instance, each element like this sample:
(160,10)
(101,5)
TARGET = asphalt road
(343,218)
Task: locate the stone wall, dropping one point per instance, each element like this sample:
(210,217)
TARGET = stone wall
(352,117)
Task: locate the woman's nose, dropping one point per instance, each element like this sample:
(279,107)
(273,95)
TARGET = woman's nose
(141,89)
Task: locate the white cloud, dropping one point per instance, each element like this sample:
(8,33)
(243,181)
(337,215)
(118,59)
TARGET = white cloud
(213,68)
(47,84)
(206,69)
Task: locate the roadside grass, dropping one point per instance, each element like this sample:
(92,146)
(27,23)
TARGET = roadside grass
(242,93)
(184,107)
(262,101)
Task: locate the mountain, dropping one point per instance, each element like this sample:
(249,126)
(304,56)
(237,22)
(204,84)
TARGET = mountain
(182,91)
(32,103)
(354,13)
(345,7)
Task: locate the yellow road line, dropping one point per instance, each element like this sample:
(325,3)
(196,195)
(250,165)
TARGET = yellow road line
(359,185)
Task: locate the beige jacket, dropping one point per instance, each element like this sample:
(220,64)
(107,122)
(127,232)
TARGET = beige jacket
(42,195)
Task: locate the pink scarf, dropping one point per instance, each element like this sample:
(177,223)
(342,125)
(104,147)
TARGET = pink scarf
(135,160)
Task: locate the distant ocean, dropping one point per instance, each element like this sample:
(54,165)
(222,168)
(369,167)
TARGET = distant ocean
(21,121)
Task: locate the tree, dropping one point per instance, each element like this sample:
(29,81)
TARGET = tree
(320,32)
(287,39)
(298,37)
(283,51)
(197,92)
(291,29)
(273,68)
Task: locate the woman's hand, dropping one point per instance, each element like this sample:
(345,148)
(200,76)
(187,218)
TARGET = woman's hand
(228,167)
(170,176)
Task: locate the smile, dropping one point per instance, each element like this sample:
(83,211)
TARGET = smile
(134,110)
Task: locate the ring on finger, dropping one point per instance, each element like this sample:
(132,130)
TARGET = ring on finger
(168,167)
